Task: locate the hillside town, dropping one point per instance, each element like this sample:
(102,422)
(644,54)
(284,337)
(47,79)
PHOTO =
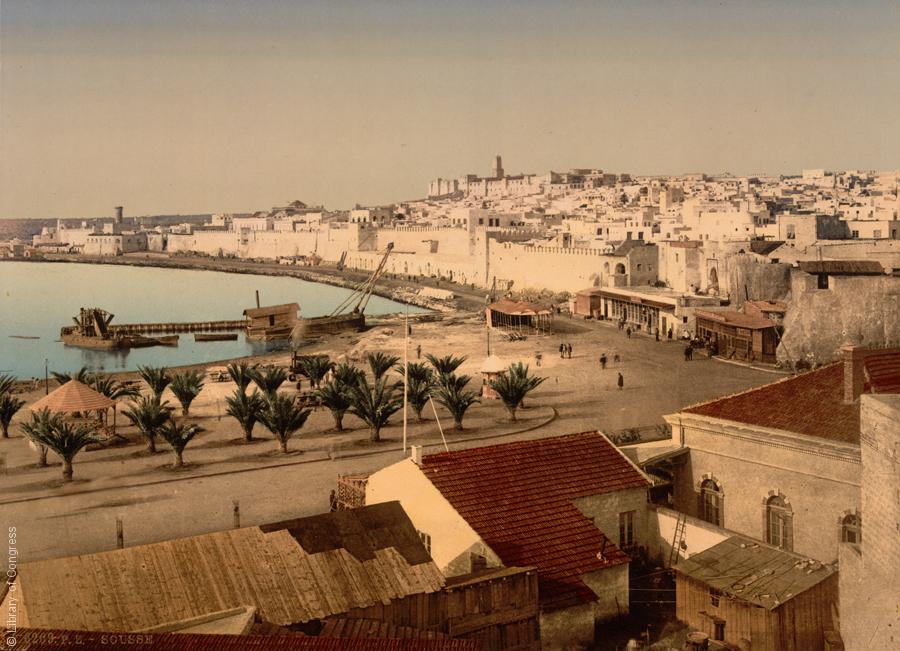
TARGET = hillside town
(714,468)
(737,264)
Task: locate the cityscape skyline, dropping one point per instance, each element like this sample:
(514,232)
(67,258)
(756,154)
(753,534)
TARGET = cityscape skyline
(202,107)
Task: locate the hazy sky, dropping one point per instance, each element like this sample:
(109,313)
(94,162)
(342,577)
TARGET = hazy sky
(183,106)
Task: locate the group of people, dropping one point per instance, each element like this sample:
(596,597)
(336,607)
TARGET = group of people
(565,351)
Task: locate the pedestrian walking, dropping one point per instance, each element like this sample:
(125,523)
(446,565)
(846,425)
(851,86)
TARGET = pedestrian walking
(562,350)
(419,351)
(628,332)
(569,351)
(657,334)
(537,358)
(670,333)
(332,501)
(603,361)
(621,381)
(688,353)
(616,358)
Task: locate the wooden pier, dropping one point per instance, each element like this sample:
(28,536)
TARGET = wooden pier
(196,326)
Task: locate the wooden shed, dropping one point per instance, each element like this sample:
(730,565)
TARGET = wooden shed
(273,322)
(756,596)
(735,335)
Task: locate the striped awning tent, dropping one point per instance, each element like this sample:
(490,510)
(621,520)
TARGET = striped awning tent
(73,396)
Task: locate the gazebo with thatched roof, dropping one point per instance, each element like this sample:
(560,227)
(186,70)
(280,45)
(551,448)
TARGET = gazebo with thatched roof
(75,397)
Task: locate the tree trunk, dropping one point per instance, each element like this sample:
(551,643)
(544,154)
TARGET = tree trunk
(67,469)
(151,444)
(5,431)
(283,444)
(178,460)
(43,456)
(375,434)
(457,425)
(184,410)
(248,435)
(512,413)
(338,420)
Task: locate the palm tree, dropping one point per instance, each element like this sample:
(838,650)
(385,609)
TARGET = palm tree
(514,385)
(42,422)
(420,386)
(335,396)
(242,374)
(269,378)
(347,374)
(66,439)
(149,415)
(178,435)
(381,363)
(7,382)
(315,368)
(374,404)
(83,375)
(283,416)
(452,394)
(9,405)
(245,408)
(113,389)
(445,366)
(156,378)
(186,386)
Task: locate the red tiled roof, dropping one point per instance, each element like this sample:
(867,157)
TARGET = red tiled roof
(34,639)
(519,498)
(882,372)
(811,403)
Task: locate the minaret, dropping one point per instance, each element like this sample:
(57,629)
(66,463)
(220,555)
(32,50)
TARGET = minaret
(498,167)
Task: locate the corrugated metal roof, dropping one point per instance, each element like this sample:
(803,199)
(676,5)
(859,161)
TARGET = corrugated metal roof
(736,319)
(752,571)
(519,497)
(141,587)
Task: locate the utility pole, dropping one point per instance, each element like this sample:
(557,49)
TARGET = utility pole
(405,374)
(46,377)
(120,534)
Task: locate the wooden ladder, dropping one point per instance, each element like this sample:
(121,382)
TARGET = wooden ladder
(677,539)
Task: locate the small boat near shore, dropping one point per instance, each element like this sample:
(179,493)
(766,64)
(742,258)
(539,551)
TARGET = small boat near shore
(216,336)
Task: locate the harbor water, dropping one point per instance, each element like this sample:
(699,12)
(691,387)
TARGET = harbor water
(37,299)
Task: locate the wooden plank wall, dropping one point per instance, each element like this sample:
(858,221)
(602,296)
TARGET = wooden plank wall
(502,613)
(798,625)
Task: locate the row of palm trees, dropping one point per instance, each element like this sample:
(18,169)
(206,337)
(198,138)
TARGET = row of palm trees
(341,388)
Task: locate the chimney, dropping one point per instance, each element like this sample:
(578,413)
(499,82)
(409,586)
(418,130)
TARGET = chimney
(415,453)
(854,377)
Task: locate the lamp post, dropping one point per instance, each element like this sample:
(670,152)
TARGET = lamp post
(46,377)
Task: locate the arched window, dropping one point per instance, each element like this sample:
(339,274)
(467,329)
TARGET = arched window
(779,522)
(711,502)
(620,268)
(851,528)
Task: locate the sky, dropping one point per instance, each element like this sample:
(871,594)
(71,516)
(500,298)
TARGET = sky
(197,106)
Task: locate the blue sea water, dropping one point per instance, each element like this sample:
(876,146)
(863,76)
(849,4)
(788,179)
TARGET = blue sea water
(37,299)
